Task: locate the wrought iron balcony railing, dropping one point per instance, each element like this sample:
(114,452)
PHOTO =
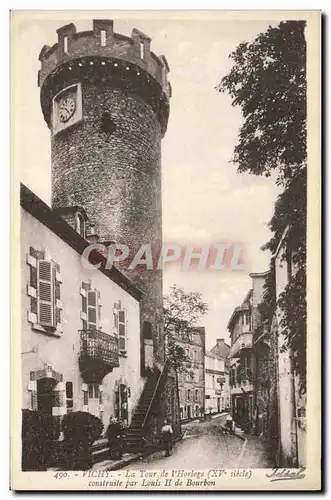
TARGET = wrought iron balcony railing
(98,354)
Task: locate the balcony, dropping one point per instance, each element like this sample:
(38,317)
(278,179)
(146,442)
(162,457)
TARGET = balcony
(244,341)
(242,387)
(98,354)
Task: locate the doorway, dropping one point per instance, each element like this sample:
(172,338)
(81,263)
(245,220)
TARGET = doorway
(94,399)
(45,388)
(121,404)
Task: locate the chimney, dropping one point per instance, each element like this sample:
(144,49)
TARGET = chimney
(219,341)
(92,237)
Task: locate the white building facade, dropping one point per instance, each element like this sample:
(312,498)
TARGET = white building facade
(217,388)
(80,328)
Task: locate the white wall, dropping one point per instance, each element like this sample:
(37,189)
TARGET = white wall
(216,400)
(62,353)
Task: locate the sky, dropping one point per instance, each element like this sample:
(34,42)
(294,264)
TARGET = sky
(204,199)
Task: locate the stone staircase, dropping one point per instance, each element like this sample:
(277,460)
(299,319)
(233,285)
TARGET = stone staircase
(136,432)
(154,385)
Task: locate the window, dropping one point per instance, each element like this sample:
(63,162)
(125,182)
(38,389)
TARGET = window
(245,319)
(65,45)
(107,124)
(103,38)
(116,321)
(69,397)
(92,310)
(142,50)
(46,293)
(147,330)
(93,391)
(85,398)
(84,309)
(80,225)
(196,395)
(122,330)
(188,394)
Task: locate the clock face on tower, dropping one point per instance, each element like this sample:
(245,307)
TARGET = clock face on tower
(66,108)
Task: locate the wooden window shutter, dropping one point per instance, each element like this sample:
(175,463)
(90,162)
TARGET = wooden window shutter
(122,329)
(84,304)
(92,309)
(57,291)
(99,305)
(46,275)
(115,315)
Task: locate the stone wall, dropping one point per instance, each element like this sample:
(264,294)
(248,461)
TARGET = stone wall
(116,177)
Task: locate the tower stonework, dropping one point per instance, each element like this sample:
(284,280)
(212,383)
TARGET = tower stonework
(105,98)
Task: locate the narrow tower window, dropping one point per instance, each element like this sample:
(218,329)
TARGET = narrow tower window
(103,38)
(65,45)
(80,225)
(107,124)
(142,50)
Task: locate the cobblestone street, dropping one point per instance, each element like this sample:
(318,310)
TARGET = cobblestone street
(205,446)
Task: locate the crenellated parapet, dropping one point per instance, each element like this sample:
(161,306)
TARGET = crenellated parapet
(102,54)
(103,42)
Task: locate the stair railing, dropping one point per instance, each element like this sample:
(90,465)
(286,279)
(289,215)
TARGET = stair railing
(154,392)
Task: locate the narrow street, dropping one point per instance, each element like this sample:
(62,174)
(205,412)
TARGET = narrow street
(205,446)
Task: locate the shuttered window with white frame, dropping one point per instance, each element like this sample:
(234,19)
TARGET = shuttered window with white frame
(117,307)
(122,330)
(92,309)
(46,298)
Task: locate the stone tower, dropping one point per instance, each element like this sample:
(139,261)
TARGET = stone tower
(105,98)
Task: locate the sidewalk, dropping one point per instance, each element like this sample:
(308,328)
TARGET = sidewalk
(254,454)
(197,420)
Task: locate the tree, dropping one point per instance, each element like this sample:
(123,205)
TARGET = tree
(268,81)
(182,311)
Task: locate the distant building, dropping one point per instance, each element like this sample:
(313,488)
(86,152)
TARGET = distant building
(217,388)
(241,363)
(191,383)
(221,349)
